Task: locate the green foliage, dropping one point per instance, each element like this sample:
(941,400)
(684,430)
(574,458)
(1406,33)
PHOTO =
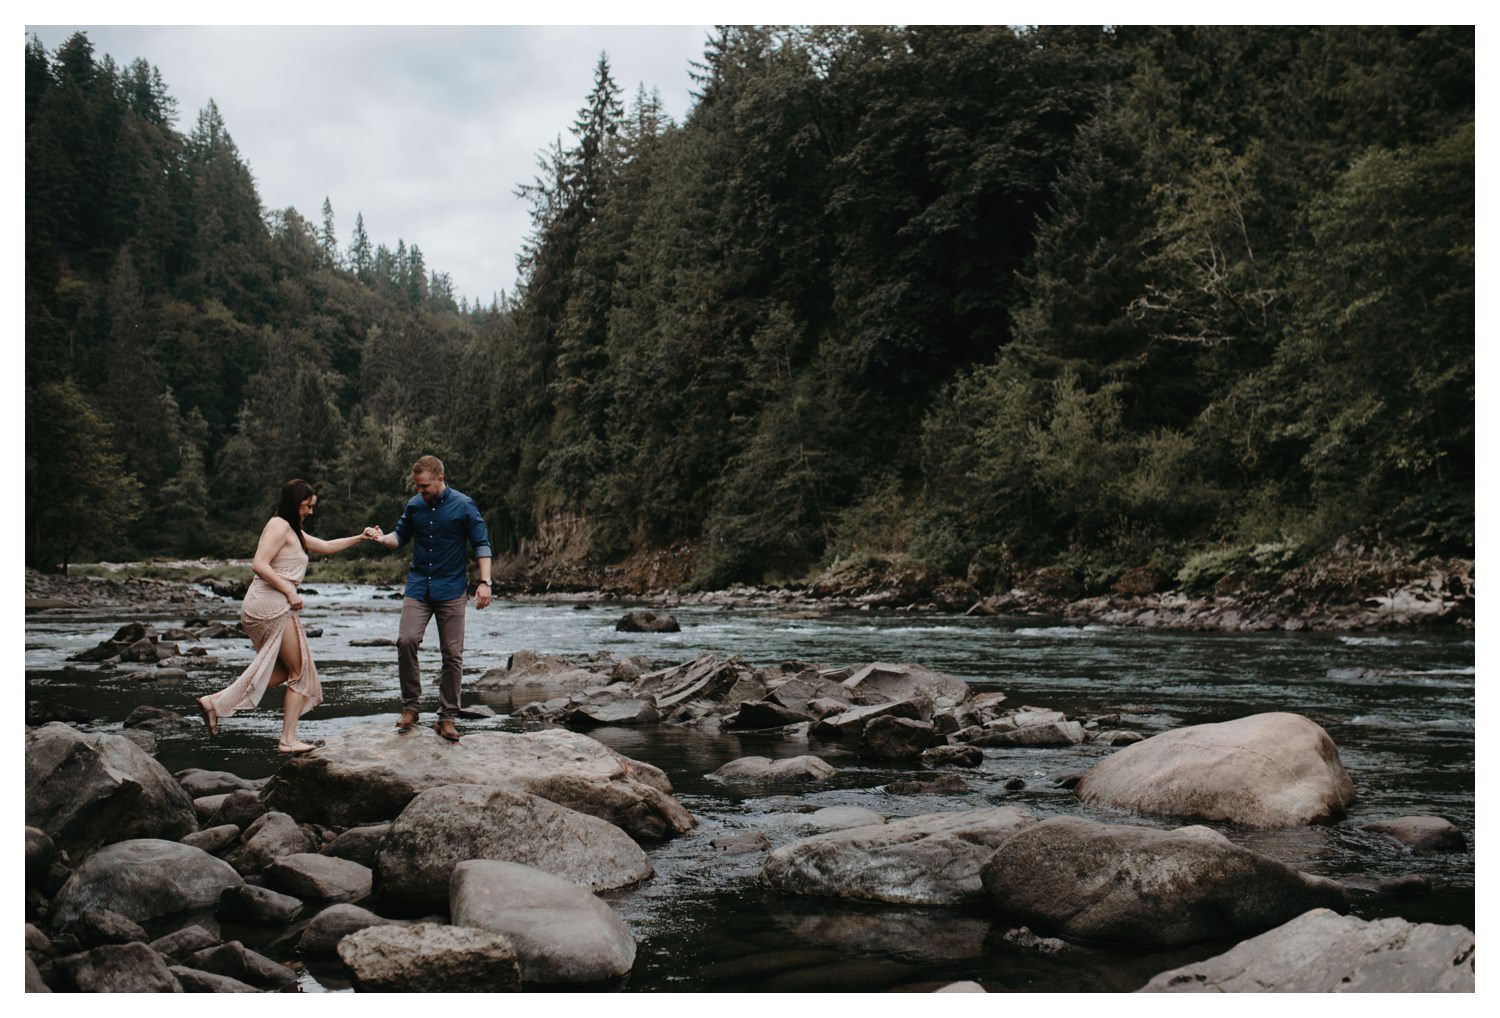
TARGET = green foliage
(1201,569)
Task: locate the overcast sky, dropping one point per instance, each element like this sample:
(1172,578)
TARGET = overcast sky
(426,130)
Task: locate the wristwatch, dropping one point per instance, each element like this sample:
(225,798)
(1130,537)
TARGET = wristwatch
(483,583)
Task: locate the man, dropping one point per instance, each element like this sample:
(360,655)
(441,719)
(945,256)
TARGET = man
(440,522)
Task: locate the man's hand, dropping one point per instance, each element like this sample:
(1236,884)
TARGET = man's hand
(373,533)
(482,596)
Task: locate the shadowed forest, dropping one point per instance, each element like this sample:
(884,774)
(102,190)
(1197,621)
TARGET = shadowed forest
(1084,297)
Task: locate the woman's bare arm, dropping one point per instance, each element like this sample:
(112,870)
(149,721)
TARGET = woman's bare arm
(318,546)
(275,534)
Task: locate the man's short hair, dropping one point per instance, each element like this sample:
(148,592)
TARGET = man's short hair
(428,465)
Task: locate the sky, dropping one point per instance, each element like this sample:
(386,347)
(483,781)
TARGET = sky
(425,130)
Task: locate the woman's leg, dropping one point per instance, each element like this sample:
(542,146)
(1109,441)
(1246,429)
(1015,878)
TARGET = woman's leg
(288,669)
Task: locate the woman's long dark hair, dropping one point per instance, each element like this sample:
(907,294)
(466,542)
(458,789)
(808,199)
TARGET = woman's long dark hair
(293,494)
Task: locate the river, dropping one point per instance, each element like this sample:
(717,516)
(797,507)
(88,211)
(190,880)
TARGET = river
(1399,706)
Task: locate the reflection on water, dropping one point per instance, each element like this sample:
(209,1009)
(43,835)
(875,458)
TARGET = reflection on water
(1401,709)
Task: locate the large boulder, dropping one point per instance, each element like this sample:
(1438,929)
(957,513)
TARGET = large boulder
(371,773)
(1134,885)
(561,932)
(320,877)
(142,879)
(886,683)
(86,790)
(270,837)
(447,825)
(760,768)
(429,958)
(1264,771)
(933,859)
(1323,952)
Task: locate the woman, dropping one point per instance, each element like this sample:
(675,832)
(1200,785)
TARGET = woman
(269,616)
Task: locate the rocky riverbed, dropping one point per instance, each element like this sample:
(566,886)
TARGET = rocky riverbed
(398,861)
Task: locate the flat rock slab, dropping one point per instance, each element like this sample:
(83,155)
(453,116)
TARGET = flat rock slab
(447,825)
(1422,834)
(843,818)
(429,958)
(371,772)
(882,683)
(248,903)
(317,877)
(933,859)
(760,768)
(561,933)
(1114,883)
(1323,952)
(1264,771)
(142,879)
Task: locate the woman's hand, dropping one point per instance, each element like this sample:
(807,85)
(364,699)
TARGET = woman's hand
(373,533)
(296,600)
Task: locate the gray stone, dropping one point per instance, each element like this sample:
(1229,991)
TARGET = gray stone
(207,806)
(1052,733)
(34,982)
(760,714)
(561,933)
(1323,952)
(1140,886)
(741,842)
(87,790)
(239,808)
(647,622)
(215,839)
(966,986)
(1422,834)
(932,859)
(943,784)
(198,782)
(1116,737)
(370,773)
(159,721)
(198,981)
(429,958)
(358,844)
(850,723)
(760,768)
(843,818)
(119,968)
(885,683)
(183,942)
(40,851)
(322,934)
(270,837)
(247,903)
(1265,771)
(889,738)
(237,961)
(447,825)
(952,756)
(143,879)
(100,926)
(143,740)
(37,941)
(530,670)
(612,712)
(320,877)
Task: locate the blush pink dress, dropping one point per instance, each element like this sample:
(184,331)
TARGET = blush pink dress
(265,614)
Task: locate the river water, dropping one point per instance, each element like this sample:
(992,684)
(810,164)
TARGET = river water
(1399,706)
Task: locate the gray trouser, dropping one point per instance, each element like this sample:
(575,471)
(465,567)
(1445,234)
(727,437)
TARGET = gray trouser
(450,623)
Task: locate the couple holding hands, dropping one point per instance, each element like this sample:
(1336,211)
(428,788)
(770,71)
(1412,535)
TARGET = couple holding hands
(440,522)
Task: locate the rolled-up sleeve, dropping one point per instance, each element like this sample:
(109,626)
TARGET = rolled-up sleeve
(402,529)
(479,534)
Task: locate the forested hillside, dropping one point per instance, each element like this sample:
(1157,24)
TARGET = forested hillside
(1094,298)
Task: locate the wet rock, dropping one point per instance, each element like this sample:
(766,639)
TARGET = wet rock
(269,837)
(213,840)
(322,934)
(40,851)
(320,877)
(197,782)
(527,669)
(119,968)
(892,738)
(1115,737)
(1134,885)
(142,879)
(704,685)
(851,723)
(208,805)
(370,773)
(376,641)
(1015,784)
(741,842)
(1263,771)
(612,712)
(41,712)
(100,926)
(247,903)
(760,768)
(647,622)
(429,958)
(241,808)
(761,714)
(1054,733)
(842,818)
(476,712)
(84,790)
(142,739)
(932,859)
(1022,937)
(561,933)
(951,756)
(947,784)
(358,844)
(1422,834)
(159,721)
(198,981)
(237,961)
(447,825)
(1323,952)
(1412,885)
(887,683)
(181,943)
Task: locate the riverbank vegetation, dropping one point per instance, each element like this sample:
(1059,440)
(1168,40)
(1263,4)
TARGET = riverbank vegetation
(1098,299)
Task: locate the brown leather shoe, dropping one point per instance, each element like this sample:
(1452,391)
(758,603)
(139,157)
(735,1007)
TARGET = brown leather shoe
(406,720)
(447,729)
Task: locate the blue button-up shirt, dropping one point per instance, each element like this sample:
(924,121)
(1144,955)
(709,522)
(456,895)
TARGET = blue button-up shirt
(440,533)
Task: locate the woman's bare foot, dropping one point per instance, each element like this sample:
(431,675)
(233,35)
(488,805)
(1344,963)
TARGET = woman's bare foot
(297,747)
(210,717)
